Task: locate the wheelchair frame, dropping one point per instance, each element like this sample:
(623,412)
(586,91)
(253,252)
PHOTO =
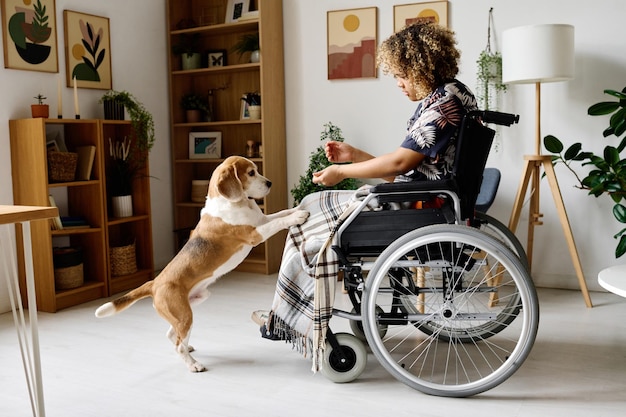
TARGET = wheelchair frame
(448,305)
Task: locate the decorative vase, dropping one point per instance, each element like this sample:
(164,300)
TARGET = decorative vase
(255,112)
(191,61)
(255,56)
(113,110)
(40,110)
(122,205)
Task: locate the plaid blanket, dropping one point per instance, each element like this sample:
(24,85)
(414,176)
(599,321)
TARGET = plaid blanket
(305,290)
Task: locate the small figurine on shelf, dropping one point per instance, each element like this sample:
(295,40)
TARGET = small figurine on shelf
(40,109)
(250,145)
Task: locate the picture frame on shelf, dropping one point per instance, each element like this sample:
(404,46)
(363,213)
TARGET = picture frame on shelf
(205,145)
(245,109)
(434,11)
(235,9)
(87,39)
(38,51)
(216,58)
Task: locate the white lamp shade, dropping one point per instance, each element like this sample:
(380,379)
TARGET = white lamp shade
(538,53)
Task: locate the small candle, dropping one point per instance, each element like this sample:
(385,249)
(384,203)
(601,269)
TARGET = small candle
(76,111)
(59,99)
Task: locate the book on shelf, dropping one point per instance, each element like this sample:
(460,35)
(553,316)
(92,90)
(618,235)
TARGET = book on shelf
(86,155)
(74,222)
(55,222)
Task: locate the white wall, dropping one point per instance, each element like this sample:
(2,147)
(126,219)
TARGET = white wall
(372,113)
(139,65)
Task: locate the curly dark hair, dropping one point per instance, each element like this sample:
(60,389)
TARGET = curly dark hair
(424,53)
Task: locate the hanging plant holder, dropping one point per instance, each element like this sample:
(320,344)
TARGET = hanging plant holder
(489,73)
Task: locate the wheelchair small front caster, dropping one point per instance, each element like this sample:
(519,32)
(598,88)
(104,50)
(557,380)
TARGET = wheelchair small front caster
(346,363)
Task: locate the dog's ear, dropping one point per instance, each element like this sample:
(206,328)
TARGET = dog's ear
(229,185)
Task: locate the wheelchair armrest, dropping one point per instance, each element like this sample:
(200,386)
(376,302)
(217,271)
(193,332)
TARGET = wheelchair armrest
(414,186)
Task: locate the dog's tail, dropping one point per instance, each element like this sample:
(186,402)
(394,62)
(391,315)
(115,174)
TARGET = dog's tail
(125,301)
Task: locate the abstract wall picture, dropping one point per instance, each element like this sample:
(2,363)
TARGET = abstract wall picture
(352,43)
(29,35)
(433,11)
(87,50)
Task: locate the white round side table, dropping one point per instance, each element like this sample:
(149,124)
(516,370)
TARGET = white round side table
(613,279)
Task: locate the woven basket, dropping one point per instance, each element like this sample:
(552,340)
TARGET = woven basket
(62,166)
(69,277)
(123,260)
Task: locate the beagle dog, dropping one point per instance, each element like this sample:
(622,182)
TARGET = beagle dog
(230,225)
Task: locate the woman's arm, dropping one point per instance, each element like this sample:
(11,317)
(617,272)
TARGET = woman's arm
(385,166)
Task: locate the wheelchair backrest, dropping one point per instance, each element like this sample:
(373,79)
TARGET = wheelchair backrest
(473,145)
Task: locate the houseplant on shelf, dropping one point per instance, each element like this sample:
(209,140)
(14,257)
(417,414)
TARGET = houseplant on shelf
(40,109)
(608,171)
(317,162)
(187,47)
(196,108)
(248,43)
(140,118)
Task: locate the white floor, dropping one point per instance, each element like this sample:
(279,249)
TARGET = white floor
(124,366)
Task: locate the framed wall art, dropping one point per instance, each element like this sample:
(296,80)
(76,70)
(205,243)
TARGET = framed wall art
(29,35)
(87,50)
(216,58)
(235,9)
(352,43)
(205,145)
(434,11)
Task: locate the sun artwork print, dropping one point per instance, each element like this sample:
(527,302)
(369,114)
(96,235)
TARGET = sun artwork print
(352,43)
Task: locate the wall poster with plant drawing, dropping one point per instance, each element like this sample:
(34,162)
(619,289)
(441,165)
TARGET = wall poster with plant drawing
(29,35)
(87,50)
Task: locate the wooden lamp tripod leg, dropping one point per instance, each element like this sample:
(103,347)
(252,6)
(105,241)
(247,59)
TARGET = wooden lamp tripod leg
(532,166)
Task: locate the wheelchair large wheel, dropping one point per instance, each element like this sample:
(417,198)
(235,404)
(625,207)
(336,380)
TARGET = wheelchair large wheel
(494,227)
(444,335)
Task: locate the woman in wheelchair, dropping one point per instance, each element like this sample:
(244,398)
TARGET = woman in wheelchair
(423,58)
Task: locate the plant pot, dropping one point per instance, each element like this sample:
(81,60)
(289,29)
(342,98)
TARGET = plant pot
(122,205)
(191,61)
(113,110)
(40,110)
(193,116)
(255,56)
(255,112)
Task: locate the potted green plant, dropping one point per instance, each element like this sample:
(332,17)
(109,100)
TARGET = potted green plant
(248,43)
(187,47)
(317,162)
(40,109)
(489,73)
(608,171)
(141,119)
(196,108)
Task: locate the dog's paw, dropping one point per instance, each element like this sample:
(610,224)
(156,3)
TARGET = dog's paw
(197,367)
(299,217)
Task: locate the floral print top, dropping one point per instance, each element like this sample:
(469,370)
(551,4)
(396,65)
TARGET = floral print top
(433,129)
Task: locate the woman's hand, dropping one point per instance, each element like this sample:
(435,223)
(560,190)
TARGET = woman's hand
(339,151)
(329,176)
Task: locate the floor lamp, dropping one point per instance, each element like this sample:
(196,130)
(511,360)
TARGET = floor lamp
(539,54)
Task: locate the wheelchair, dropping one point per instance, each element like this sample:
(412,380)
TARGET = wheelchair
(442,296)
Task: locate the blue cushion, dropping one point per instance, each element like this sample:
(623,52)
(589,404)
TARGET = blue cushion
(488,189)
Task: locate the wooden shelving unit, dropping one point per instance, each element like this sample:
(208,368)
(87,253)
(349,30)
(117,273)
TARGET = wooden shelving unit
(226,85)
(80,198)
